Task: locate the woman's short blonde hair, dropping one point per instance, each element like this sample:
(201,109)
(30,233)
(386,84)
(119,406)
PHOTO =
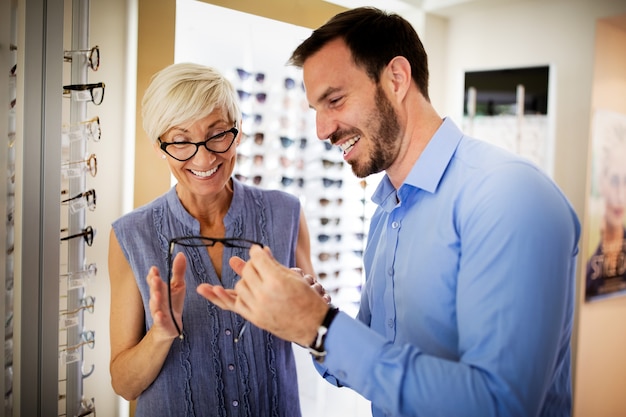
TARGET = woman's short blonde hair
(182,93)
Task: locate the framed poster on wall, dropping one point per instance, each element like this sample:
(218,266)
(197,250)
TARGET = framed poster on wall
(605,274)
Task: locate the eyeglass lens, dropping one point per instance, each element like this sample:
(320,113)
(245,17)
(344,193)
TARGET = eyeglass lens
(185,150)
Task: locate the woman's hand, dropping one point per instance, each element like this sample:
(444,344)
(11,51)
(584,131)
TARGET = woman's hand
(163,326)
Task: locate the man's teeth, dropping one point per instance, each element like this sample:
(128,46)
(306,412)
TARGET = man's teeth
(347,145)
(204,173)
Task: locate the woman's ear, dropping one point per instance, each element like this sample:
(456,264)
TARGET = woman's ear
(158,150)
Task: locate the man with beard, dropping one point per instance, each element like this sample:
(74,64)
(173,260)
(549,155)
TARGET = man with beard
(467,307)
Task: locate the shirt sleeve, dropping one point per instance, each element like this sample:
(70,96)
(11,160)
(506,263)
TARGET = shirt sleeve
(514,303)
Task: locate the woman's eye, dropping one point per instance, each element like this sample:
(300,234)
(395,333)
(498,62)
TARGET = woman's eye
(179,139)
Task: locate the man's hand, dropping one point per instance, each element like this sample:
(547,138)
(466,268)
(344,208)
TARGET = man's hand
(272,297)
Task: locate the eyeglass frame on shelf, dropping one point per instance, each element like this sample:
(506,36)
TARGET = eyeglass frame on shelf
(67,56)
(89,195)
(164,145)
(88,234)
(86,127)
(91,164)
(225,241)
(67,89)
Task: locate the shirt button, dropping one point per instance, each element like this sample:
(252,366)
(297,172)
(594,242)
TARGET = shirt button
(231,367)
(395,225)
(390,272)
(390,322)
(228,332)
(235,403)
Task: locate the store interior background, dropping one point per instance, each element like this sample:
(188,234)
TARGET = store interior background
(582,41)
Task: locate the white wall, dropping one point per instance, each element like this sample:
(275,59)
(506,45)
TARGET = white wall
(559,33)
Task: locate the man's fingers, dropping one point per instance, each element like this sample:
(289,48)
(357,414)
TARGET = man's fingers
(261,259)
(224,299)
(237,264)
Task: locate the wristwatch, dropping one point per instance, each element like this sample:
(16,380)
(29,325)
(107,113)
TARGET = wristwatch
(317,349)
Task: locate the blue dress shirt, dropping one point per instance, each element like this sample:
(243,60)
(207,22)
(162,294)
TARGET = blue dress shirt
(468,303)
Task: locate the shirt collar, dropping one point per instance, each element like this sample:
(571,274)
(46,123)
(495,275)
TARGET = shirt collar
(430,166)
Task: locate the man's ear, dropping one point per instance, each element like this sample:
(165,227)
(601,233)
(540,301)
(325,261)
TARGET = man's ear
(398,72)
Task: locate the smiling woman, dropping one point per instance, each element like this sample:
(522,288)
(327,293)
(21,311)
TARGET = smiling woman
(160,252)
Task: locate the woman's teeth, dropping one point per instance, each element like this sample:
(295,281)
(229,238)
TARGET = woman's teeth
(347,145)
(204,173)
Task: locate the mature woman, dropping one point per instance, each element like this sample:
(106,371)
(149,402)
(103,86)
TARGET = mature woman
(194,359)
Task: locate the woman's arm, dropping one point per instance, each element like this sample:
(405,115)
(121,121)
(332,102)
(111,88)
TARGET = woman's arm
(137,356)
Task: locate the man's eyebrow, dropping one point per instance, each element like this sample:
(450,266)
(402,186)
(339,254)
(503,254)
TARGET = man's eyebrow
(326,93)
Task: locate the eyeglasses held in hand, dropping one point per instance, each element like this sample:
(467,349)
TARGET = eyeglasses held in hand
(93,56)
(184,150)
(199,241)
(81,200)
(87,234)
(86,92)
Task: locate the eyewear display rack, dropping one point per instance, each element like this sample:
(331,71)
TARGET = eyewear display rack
(76,235)
(280,150)
(8,60)
(34,383)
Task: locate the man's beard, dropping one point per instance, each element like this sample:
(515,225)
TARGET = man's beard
(384,123)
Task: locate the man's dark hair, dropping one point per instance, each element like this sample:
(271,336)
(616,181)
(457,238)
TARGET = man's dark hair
(374,38)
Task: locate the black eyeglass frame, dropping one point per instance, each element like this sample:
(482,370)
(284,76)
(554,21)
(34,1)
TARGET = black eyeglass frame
(67,89)
(90,196)
(229,242)
(87,234)
(164,145)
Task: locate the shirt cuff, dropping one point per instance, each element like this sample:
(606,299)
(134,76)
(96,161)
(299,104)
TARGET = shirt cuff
(349,344)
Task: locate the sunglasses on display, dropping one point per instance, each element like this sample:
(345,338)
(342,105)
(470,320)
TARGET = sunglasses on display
(244,95)
(259,77)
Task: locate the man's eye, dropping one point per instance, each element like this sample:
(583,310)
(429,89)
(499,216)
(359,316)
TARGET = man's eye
(333,101)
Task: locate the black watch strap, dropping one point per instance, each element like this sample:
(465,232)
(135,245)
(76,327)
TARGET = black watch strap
(317,349)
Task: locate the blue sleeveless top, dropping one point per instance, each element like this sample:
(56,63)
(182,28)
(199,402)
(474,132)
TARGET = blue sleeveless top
(207,373)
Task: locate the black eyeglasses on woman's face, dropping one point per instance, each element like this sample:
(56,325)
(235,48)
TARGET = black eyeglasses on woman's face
(199,241)
(183,150)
